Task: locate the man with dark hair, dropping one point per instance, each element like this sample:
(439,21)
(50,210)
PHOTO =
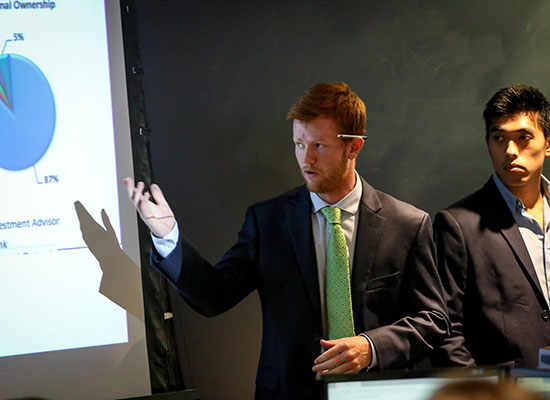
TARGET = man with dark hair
(346,274)
(493,246)
(481,389)
(516,100)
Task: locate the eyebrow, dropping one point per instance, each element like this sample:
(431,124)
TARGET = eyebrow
(499,129)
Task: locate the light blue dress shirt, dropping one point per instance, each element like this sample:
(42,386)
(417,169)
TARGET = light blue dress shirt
(535,237)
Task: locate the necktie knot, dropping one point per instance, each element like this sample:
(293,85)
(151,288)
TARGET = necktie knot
(332,214)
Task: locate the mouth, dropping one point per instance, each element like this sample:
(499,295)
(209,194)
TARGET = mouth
(513,167)
(309,172)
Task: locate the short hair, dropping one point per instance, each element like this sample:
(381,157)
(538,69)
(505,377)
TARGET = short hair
(483,390)
(333,100)
(518,99)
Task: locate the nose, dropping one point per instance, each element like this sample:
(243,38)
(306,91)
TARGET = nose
(309,156)
(511,149)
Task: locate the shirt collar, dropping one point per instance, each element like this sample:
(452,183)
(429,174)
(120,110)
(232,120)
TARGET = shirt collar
(349,204)
(512,201)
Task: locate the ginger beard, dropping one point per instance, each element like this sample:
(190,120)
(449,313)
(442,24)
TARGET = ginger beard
(328,179)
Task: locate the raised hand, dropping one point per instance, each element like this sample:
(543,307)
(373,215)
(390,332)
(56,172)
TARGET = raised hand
(157,214)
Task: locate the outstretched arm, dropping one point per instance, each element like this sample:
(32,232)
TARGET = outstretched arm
(151,206)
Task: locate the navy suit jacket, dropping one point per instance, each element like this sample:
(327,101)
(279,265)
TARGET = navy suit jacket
(396,292)
(498,313)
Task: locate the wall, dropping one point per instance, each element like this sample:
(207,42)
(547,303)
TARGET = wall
(221,75)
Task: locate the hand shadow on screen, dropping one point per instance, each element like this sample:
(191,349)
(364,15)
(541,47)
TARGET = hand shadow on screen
(121,280)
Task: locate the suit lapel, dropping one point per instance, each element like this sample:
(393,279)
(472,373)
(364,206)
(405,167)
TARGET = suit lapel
(369,231)
(501,218)
(299,222)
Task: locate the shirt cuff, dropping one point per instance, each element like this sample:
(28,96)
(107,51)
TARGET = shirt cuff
(374,360)
(165,245)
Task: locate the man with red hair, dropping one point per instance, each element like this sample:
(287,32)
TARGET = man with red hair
(346,274)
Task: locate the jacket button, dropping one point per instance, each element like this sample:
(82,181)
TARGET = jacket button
(544,315)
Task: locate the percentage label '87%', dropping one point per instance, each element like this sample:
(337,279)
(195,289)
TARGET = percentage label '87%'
(51,179)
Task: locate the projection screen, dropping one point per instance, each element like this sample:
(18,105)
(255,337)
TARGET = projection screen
(71,307)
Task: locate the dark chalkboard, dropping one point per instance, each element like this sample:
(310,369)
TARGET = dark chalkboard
(221,75)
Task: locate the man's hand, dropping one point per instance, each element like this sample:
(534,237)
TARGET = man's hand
(343,356)
(157,215)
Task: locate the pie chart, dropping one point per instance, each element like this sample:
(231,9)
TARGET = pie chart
(27,113)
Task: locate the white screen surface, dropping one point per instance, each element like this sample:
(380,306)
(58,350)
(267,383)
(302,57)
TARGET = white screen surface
(537,384)
(399,389)
(64,138)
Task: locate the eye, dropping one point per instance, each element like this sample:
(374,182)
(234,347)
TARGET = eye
(319,145)
(497,138)
(524,137)
(299,145)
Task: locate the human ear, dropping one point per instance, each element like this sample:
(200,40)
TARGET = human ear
(355,148)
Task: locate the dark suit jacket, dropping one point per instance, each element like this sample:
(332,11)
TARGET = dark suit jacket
(498,313)
(396,292)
